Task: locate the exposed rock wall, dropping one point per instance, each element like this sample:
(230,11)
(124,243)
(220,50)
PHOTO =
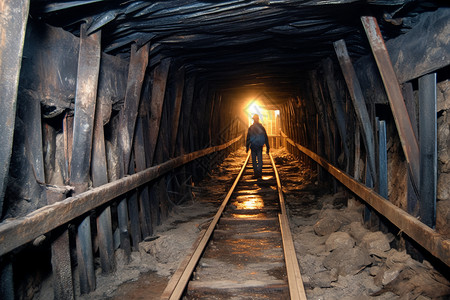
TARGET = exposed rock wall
(443,139)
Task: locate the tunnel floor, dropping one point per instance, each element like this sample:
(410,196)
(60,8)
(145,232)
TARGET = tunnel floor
(339,257)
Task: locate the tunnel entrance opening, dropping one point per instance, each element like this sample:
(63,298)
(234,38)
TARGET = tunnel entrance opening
(268,117)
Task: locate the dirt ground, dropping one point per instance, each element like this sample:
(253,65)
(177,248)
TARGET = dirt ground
(339,257)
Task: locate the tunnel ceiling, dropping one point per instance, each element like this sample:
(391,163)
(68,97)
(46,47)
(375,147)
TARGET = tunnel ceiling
(239,44)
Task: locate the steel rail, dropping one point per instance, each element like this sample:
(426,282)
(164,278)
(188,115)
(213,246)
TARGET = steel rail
(177,284)
(437,244)
(18,231)
(296,287)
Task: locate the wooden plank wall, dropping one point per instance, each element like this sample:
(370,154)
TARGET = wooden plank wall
(130,115)
(389,116)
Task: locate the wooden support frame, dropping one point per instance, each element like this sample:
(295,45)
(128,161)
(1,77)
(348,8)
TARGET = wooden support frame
(158,91)
(437,244)
(338,106)
(382,160)
(359,104)
(393,91)
(13,22)
(83,127)
(428,149)
(143,195)
(127,119)
(19,231)
(322,112)
(99,172)
(179,88)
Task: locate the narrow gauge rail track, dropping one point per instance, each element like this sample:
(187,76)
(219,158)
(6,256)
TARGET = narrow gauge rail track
(247,251)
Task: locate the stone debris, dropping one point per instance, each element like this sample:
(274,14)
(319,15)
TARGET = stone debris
(339,240)
(342,259)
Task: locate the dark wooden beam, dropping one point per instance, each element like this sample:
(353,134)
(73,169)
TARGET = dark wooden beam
(338,105)
(83,127)
(127,120)
(393,91)
(13,21)
(158,90)
(382,160)
(179,81)
(428,149)
(358,102)
(60,248)
(99,171)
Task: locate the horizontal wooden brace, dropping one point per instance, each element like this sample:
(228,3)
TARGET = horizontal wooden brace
(437,244)
(16,232)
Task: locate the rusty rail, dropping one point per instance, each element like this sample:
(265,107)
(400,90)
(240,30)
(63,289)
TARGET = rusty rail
(178,283)
(16,232)
(437,244)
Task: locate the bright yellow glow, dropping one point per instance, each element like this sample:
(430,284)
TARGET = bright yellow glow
(250,202)
(254,108)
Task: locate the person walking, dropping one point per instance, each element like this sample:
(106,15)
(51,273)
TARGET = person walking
(256,138)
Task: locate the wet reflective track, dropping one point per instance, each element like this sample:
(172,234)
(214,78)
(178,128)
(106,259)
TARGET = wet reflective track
(246,255)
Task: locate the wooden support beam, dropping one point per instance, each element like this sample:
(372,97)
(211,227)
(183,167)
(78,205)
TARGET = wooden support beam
(338,106)
(86,96)
(6,278)
(16,232)
(319,101)
(428,149)
(158,90)
(60,248)
(393,91)
(13,21)
(99,171)
(61,265)
(186,113)
(179,82)
(358,102)
(129,112)
(382,160)
(143,193)
(127,120)
(437,244)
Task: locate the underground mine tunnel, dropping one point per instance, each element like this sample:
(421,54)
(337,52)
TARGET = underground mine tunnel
(124,122)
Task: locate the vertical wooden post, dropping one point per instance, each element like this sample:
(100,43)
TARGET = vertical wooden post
(358,103)
(369,183)
(61,265)
(99,172)
(127,119)
(179,81)
(383,163)
(86,94)
(186,114)
(160,74)
(412,193)
(6,278)
(402,121)
(139,155)
(13,22)
(338,108)
(68,141)
(428,149)
(159,88)
(60,247)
